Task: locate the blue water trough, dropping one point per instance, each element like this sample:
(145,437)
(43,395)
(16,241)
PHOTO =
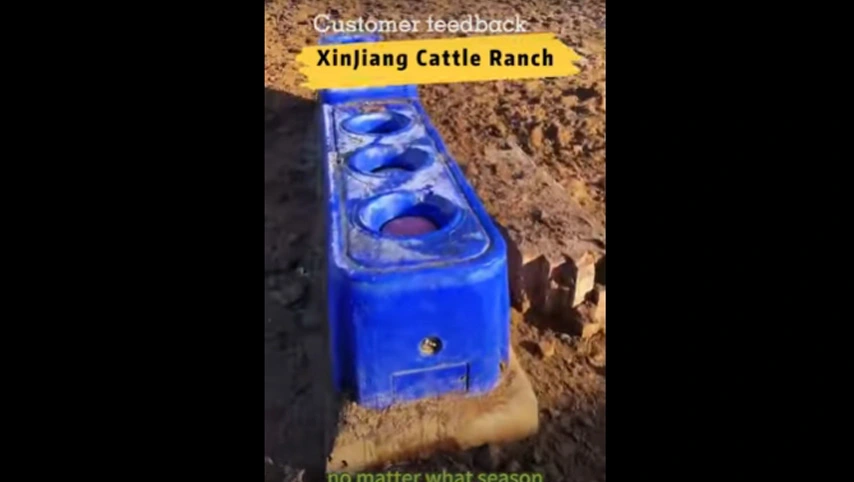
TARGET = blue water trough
(416,276)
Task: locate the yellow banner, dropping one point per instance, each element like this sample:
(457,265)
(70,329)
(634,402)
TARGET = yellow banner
(472,59)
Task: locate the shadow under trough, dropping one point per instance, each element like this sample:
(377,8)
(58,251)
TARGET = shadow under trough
(301,410)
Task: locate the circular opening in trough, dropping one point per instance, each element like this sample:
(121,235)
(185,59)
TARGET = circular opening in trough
(403,214)
(382,159)
(430,346)
(377,123)
(409,226)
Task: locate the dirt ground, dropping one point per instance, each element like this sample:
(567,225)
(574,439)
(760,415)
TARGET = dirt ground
(551,202)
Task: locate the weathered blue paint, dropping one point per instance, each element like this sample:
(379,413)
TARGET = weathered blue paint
(388,294)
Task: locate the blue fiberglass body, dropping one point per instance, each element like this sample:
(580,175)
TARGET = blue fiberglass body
(410,316)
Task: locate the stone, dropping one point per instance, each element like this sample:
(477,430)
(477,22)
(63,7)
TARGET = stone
(599,311)
(560,135)
(590,330)
(547,347)
(569,101)
(578,189)
(585,278)
(535,139)
(533,87)
(564,137)
(516,317)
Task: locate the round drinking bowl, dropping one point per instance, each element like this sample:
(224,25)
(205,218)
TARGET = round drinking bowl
(409,226)
(403,214)
(384,159)
(377,123)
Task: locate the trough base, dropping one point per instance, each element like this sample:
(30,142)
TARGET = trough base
(368,440)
